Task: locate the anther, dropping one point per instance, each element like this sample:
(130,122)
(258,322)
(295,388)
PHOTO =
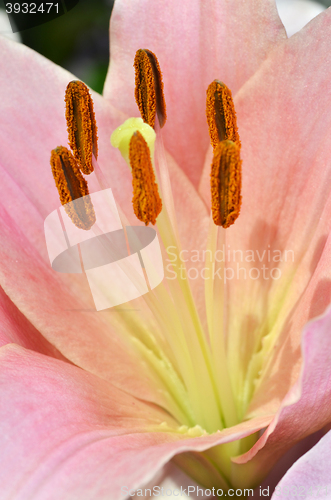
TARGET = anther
(221,115)
(72,188)
(149,87)
(146,200)
(82,129)
(225,181)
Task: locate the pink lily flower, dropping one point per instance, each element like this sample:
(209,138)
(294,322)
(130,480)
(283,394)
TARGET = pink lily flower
(89,406)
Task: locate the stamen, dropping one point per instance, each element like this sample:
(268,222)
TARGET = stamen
(221,115)
(72,186)
(149,87)
(146,200)
(225,181)
(82,128)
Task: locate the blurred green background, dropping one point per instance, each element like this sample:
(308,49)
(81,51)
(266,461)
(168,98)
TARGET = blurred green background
(79,40)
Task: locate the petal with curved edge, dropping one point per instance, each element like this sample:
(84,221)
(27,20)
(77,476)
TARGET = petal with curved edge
(15,328)
(295,14)
(173,482)
(195,42)
(310,475)
(305,409)
(67,434)
(49,407)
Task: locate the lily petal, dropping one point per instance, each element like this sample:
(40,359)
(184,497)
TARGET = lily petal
(59,410)
(185,35)
(15,328)
(173,479)
(79,436)
(310,475)
(305,409)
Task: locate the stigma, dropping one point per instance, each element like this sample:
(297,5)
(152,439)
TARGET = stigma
(149,88)
(81,124)
(72,188)
(146,200)
(121,136)
(225,182)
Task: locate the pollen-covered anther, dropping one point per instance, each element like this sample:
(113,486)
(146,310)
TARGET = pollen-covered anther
(221,115)
(146,200)
(72,188)
(225,181)
(81,124)
(149,87)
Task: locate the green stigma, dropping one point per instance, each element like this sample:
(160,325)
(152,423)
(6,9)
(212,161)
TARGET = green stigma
(121,137)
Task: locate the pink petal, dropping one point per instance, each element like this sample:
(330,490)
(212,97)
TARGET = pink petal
(290,457)
(61,309)
(173,479)
(307,406)
(310,475)
(67,434)
(15,328)
(50,410)
(195,44)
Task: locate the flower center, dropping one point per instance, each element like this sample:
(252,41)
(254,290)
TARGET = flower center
(190,360)
(209,390)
